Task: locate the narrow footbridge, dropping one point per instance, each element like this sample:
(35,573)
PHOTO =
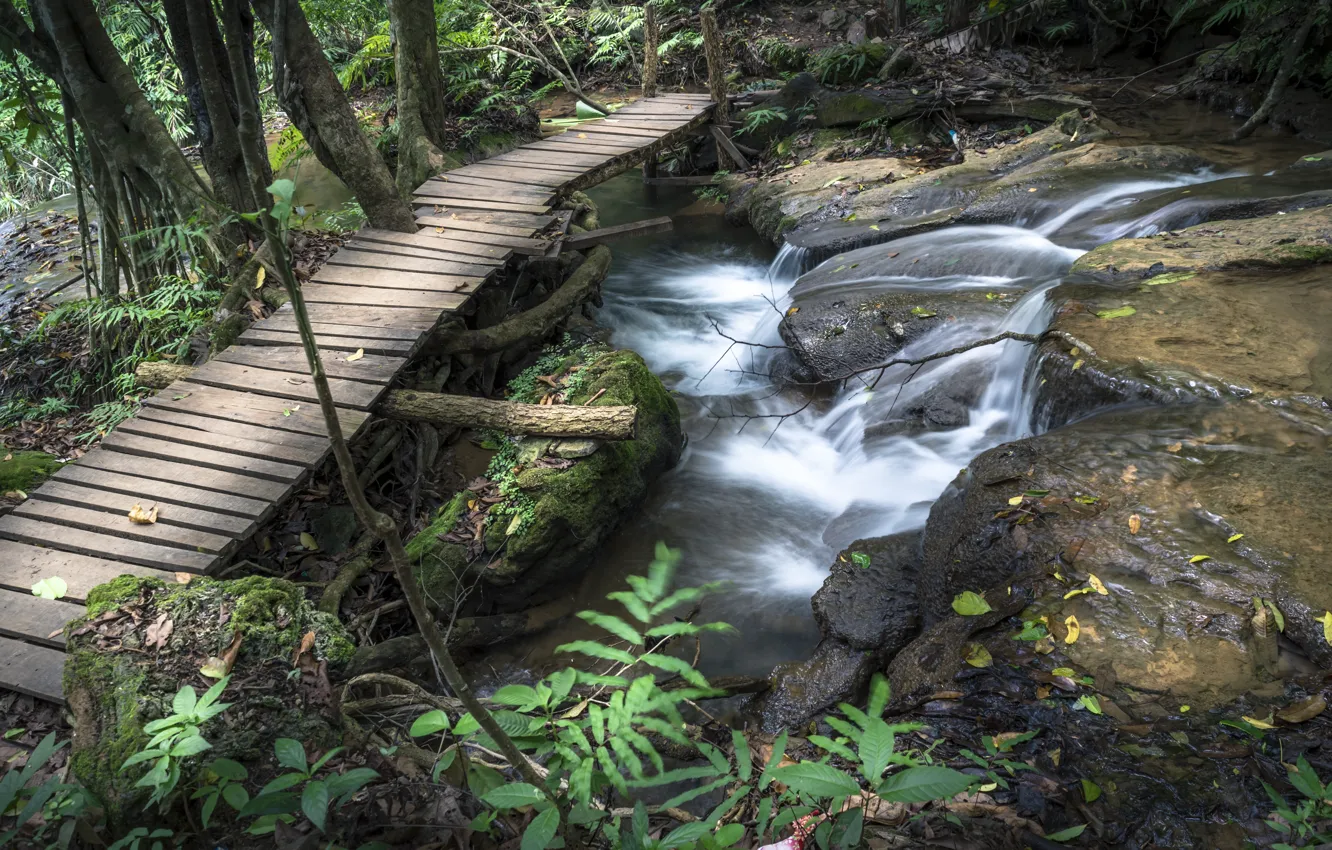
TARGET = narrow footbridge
(218,453)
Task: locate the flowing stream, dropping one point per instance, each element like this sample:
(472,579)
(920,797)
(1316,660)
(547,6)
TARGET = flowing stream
(777,479)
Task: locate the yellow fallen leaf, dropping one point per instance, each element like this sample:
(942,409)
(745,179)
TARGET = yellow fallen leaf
(1097,585)
(1198,559)
(793,311)
(214,667)
(1135,524)
(1073,629)
(352,358)
(141,517)
(1184,709)
(979,656)
(1174,447)
(308,541)
(582,135)
(1078,592)
(1326,620)
(259,278)
(1032,189)
(1016,500)
(1260,724)
(1077,364)
(1232,538)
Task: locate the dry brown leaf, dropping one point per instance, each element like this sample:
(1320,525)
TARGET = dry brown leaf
(229,657)
(141,517)
(184,578)
(1130,474)
(1174,447)
(158,632)
(1135,524)
(1306,709)
(307,644)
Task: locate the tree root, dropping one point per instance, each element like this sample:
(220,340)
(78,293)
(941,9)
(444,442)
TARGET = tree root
(353,569)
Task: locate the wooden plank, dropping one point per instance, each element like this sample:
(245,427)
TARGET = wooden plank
(271,470)
(454,178)
(34,619)
(371,368)
(729,146)
(514,193)
(413,240)
(382,317)
(369,296)
(285,321)
(519,244)
(566,172)
(497,228)
(504,174)
(402,263)
(289,385)
(171,472)
(22,566)
(620,130)
(275,339)
(33,670)
(69,539)
(605,147)
(576,160)
(102,522)
(619,231)
(245,430)
(467,266)
(116,506)
(480,204)
(249,407)
(688,180)
(163,492)
(211,440)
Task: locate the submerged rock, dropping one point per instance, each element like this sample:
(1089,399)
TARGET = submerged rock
(550,503)
(1185,515)
(143,639)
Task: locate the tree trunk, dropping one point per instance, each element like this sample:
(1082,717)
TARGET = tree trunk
(895,14)
(314,100)
(421,112)
(543,420)
(197,49)
(1283,74)
(957,14)
(651,38)
(715,53)
(239,25)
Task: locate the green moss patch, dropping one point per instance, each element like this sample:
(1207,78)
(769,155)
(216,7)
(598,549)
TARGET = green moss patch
(25,470)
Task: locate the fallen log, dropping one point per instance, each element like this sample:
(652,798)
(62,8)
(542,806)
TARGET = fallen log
(546,420)
(581,241)
(609,422)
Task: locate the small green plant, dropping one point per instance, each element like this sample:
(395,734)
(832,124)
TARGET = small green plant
(52,798)
(760,117)
(140,838)
(288,793)
(847,63)
(176,737)
(1305,824)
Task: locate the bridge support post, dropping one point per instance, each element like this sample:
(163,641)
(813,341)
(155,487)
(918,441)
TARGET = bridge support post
(651,37)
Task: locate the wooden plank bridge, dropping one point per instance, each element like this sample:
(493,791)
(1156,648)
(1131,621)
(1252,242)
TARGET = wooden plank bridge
(218,453)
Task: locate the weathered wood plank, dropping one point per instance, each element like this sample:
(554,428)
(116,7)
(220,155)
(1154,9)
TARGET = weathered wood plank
(648,135)
(116,507)
(69,539)
(271,470)
(101,522)
(463,264)
(446,204)
(400,262)
(511,194)
(139,489)
(34,619)
(231,483)
(275,339)
(486,256)
(37,671)
(22,566)
(519,244)
(244,430)
(147,427)
(604,147)
(504,174)
(371,368)
(580,241)
(383,317)
(497,188)
(369,296)
(289,385)
(493,227)
(287,322)
(544,158)
(358,276)
(249,407)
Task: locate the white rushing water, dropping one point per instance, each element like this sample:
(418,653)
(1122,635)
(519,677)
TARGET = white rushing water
(777,479)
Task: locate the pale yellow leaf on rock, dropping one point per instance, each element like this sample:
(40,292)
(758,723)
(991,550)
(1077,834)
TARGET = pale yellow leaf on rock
(308,541)
(1097,585)
(259,277)
(214,667)
(1073,629)
(979,656)
(1135,524)
(1130,474)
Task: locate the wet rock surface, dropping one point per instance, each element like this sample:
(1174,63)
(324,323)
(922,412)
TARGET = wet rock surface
(868,600)
(803,690)
(1150,502)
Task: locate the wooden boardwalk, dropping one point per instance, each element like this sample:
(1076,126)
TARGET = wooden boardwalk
(218,453)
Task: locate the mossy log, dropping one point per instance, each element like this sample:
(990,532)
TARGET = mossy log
(619,422)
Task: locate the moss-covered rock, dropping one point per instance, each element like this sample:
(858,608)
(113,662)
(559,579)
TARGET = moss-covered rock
(25,470)
(555,509)
(117,679)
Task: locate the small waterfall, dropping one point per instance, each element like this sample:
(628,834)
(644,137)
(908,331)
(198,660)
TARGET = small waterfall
(790,264)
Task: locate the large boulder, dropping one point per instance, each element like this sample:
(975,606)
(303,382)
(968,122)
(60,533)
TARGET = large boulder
(545,505)
(868,600)
(1188,516)
(143,639)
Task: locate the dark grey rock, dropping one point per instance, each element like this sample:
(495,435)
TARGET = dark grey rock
(833,19)
(802,690)
(874,607)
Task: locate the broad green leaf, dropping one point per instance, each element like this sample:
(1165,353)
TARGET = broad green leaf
(816,780)
(834,747)
(184,701)
(235,795)
(1305,779)
(632,604)
(775,757)
(540,833)
(1091,792)
(612,624)
(562,683)
(228,769)
(925,783)
(743,760)
(679,666)
(1066,834)
(516,695)
(596,650)
(1090,702)
(314,803)
(685,834)
(583,112)
(728,835)
(881,692)
(50,588)
(343,785)
(191,746)
(513,796)
(970,604)
(1117,313)
(876,750)
(290,752)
